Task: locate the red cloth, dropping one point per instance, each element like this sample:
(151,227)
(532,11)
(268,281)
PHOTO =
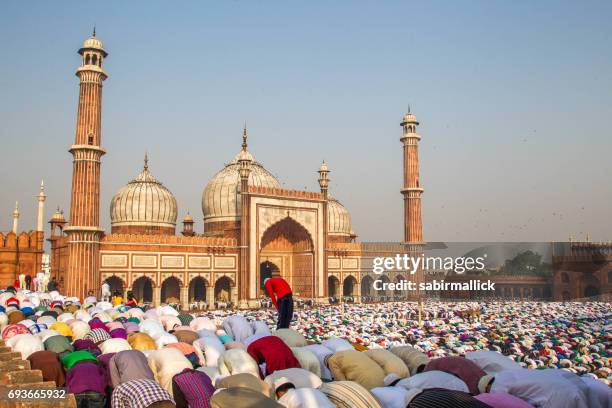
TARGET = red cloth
(278,287)
(460,367)
(274,352)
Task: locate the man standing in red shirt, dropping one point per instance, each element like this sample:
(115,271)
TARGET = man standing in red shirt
(280,292)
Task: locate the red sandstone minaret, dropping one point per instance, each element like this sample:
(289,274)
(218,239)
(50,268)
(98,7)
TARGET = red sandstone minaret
(84,231)
(413,224)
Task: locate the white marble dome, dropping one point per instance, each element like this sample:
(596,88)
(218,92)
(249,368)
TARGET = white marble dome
(144,202)
(338,218)
(221,196)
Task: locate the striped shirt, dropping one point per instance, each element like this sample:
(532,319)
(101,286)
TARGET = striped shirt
(192,388)
(439,397)
(139,394)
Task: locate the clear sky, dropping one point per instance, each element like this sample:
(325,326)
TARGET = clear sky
(514,100)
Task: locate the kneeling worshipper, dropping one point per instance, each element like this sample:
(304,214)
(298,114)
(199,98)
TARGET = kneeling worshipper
(192,389)
(442,398)
(143,393)
(546,388)
(272,351)
(292,397)
(355,366)
(129,365)
(48,362)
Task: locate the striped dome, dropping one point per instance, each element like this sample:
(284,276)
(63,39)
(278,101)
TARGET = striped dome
(338,218)
(220,199)
(144,202)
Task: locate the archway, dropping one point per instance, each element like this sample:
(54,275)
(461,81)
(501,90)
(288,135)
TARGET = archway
(591,291)
(348,286)
(223,289)
(170,290)
(197,289)
(566,296)
(332,286)
(366,286)
(564,277)
(142,288)
(116,284)
(291,243)
(267,269)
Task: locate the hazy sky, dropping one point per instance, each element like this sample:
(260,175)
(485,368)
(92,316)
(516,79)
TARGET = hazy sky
(514,100)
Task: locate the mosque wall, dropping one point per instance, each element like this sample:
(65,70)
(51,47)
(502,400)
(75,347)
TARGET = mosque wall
(19,253)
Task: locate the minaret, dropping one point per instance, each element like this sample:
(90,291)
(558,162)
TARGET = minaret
(16,217)
(188,226)
(41,208)
(40,225)
(84,231)
(244,161)
(413,224)
(324,185)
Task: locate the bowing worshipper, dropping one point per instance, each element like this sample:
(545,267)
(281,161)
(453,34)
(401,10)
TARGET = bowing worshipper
(25,344)
(307,359)
(142,393)
(389,362)
(415,360)
(349,394)
(355,366)
(442,398)
(491,362)
(48,362)
(391,397)
(192,389)
(141,341)
(427,380)
(129,365)
(236,361)
(237,327)
(299,377)
(209,349)
(291,337)
(243,398)
(247,381)
(503,400)
(272,351)
(165,363)
(473,376)
(291,397)
(541,388)
(320,352)
(282,298)
(186,336)
(86,379)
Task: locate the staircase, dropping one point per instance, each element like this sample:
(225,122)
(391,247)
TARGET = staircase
(15,374)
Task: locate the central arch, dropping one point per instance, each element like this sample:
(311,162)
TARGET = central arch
(116,284)
(290,243)
(142,288)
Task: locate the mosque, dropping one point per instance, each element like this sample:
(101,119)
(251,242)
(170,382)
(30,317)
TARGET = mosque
(253,228)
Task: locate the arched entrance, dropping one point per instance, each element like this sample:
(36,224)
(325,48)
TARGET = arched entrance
(366,287)
(197,289)
(170,290)
(142,288)
(332,286)
(290,242)
(223,289)
(116,284)
(349,286)
(267,269)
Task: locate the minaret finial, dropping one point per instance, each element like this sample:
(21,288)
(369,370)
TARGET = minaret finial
(146,160)
(244,137)
(94,30)
(408,108)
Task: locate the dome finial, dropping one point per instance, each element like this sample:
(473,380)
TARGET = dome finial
(244,137)
(408,108)
(146,160)
(94,30)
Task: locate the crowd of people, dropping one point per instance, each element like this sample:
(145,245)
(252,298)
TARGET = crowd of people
(384,355)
